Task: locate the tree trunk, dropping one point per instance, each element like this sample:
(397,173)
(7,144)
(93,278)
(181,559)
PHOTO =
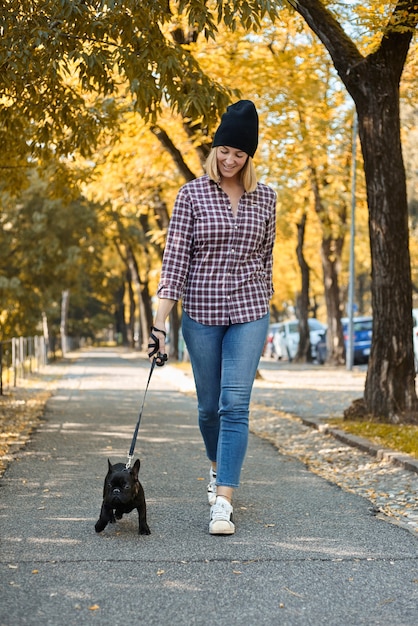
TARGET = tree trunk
(120,321)
(146,313)
(373,83)
(303,354)
(331,249)
(65,302)
(390,383)
(330,268)
(132,309)
(144,300)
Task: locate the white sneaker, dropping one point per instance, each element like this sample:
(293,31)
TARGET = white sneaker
(212,487)
(221,518)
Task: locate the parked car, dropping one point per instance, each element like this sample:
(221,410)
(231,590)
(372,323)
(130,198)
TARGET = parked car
(363,337)
(283,338)
(362,328)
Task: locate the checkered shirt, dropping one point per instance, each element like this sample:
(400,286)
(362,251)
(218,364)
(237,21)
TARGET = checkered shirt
(218,264)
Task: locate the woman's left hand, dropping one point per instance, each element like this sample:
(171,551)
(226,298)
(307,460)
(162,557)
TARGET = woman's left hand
(156,346)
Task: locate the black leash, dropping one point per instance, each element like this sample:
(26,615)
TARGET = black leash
(159,359)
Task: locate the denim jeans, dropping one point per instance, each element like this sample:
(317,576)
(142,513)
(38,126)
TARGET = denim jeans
(224,361)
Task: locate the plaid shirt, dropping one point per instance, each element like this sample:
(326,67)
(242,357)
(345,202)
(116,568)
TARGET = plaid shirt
(220,265)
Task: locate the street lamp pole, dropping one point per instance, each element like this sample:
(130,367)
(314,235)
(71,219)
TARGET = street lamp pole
(351,279)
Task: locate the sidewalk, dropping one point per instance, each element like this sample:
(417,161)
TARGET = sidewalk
(291,406)
(305,552)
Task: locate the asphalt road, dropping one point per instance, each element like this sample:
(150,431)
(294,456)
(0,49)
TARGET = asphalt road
(305,552)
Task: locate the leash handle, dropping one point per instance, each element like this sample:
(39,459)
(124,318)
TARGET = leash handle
(135,435)
(155,346)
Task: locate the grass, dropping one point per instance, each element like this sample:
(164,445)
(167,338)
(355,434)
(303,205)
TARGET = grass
(402,438)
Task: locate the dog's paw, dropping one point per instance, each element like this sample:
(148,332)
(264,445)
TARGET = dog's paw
(99,526)
(144,529)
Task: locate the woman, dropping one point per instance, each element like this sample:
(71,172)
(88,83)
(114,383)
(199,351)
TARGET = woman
(218,260)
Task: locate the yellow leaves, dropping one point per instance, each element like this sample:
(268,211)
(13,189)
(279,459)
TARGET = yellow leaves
(94,607)
(19,414)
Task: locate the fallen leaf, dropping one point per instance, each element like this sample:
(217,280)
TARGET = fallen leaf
(94,607)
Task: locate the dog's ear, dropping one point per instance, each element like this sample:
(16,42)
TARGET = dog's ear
(135,469)
(110,465)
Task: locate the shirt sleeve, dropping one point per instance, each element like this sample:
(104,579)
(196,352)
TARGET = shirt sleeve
(178,249)
(269,244)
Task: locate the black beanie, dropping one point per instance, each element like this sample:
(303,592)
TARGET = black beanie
(238,128)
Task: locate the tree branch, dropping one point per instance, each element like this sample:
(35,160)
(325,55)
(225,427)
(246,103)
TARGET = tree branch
(166,142)
(398,34)
(343,51)
(347,59)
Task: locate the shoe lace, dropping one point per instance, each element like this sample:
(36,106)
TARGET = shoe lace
(219,512)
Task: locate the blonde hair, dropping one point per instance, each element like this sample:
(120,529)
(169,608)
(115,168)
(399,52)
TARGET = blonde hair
(248,173)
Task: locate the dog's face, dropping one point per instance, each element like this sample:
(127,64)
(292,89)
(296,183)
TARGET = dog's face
(121,485)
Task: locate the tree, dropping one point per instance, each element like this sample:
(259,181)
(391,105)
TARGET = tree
(305,148)
(373,82)
(134,180)
(55,56)
(47,246)
(316,113)
(304,352)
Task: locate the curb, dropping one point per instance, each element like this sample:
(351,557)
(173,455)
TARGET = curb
(400,459)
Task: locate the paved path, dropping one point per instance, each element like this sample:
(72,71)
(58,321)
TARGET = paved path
(305,552)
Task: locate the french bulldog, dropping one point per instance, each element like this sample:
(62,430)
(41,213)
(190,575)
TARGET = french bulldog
(122,492)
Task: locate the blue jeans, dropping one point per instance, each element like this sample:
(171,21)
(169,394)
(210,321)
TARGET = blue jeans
(224,361)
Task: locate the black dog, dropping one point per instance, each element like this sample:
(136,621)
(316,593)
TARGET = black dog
(122,492)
